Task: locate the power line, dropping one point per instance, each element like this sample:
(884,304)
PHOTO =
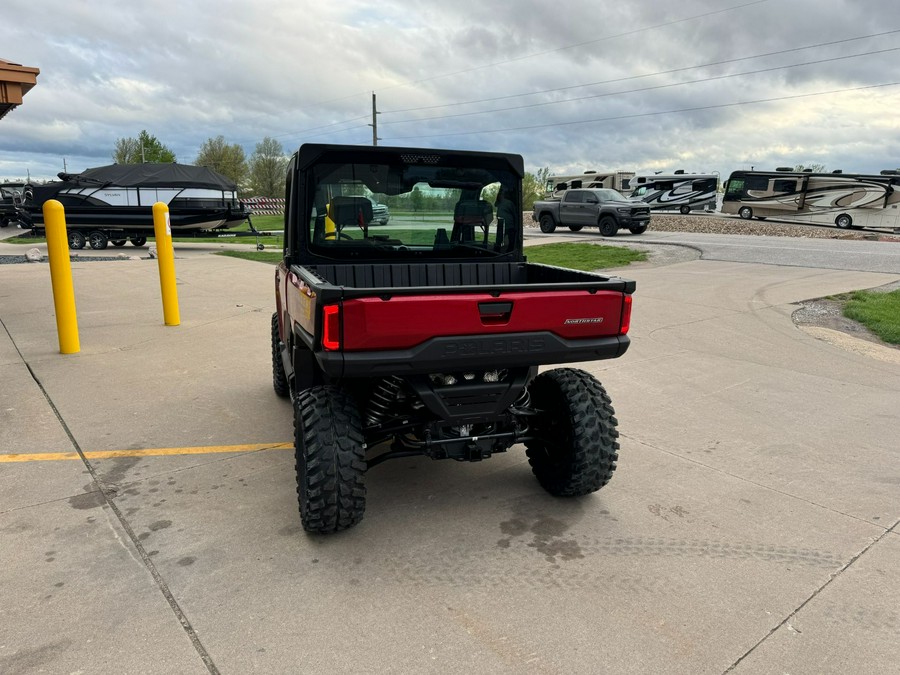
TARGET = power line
(651,88)
(311,105)
(650,114)
(589,84)
(515,59)
(323,126)
(635,77)
(337,131)
(573,46)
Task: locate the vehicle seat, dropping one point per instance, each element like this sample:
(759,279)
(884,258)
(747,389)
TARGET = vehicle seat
(467,215)
(440,239)
(351,211)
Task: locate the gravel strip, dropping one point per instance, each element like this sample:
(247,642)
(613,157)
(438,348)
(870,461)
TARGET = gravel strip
(16,259)
(663,222)
(712,224)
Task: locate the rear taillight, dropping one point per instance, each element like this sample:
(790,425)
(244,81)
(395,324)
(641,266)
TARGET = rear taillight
(331,327)
(625,323)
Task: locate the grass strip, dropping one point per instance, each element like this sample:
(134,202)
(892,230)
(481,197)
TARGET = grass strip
(574,256)
(587,257)
(271,257)
(879,312)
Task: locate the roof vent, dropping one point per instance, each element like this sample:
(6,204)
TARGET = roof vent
(785,168)
(419,159)
(889,172)
(679,172)
(838,171)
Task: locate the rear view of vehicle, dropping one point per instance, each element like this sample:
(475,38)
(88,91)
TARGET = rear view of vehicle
(425,337)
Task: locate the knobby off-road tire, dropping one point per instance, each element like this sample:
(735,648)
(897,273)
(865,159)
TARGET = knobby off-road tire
(279,378)
(575,450)
(330,455)
(640,229)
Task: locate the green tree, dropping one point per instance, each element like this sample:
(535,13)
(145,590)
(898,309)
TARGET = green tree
(145,148)
(267,169)
(489,193)
(228,160)
(534,186)
(416,199)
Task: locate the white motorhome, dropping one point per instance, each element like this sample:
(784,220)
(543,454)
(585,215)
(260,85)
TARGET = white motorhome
(679,190)
(616,180)
(836,198)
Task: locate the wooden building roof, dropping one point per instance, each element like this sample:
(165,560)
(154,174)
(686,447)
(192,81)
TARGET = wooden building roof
(15,81)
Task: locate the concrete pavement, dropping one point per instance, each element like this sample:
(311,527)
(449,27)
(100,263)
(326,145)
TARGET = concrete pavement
(751,525)
(840,254)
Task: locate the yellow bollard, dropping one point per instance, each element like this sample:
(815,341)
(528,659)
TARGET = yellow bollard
(330,227)
(61,277)
(165,257)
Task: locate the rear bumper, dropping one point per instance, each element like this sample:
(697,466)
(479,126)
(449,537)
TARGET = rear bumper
(446,354)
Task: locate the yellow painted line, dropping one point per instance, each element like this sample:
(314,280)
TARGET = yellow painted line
(149,452)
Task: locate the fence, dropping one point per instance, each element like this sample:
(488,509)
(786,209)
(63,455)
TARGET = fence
(265,206)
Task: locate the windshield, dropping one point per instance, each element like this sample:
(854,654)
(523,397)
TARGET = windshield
(381,210)
(610,195)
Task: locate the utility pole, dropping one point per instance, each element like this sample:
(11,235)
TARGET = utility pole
(65,168)
(374,124)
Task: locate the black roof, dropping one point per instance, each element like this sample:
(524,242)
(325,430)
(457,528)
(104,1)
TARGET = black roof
(152,175)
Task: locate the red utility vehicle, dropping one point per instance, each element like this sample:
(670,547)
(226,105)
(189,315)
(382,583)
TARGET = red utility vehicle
(424,337)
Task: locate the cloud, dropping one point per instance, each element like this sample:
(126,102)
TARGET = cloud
(304,70)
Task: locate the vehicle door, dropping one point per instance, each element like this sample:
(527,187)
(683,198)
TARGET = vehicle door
(591,212)
(572,208)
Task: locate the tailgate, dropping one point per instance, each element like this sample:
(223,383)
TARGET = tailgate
(402,322)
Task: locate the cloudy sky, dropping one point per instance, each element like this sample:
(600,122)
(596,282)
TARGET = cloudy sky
(700,85)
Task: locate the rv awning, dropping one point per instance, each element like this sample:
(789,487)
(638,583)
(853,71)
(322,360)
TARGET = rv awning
(16,80)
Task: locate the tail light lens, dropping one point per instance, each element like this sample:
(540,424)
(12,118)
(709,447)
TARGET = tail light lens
(625,323)
(331,327)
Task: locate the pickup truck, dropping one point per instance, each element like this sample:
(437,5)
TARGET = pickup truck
(381,215)
(9,192)
(426,337)
(592,207)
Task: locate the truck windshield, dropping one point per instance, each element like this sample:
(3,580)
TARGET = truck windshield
(9,191)
(433,211)
(610,195)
